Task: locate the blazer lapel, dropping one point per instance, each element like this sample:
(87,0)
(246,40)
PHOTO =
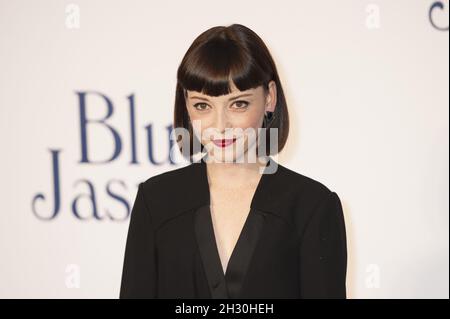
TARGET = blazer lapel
(241,256)
(204,233)
(230,284)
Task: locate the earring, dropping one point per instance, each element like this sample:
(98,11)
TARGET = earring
(268,117)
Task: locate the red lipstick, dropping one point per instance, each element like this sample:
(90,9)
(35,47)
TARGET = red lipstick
(224,142)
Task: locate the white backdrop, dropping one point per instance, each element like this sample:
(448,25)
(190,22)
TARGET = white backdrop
(366,82)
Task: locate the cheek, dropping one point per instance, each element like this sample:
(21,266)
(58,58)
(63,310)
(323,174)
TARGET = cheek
(253,120)
(243,121)
(204,128)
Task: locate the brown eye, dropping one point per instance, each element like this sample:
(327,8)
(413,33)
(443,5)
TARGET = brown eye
(201,106)
(241,104)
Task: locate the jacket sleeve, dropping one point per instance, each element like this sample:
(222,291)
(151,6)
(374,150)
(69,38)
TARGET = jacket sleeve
(139,266)
(323,252)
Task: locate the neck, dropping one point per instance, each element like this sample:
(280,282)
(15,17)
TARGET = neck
(234,174)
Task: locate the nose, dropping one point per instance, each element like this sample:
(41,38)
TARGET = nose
(222,123)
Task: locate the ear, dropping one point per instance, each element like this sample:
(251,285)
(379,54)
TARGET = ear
(271,98)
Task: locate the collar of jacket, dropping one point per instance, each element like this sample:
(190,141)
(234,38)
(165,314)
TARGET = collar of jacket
(187,188)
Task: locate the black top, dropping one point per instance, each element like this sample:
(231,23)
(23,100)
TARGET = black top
(292,244)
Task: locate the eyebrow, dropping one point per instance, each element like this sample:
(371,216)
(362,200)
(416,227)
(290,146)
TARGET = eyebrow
(230,99)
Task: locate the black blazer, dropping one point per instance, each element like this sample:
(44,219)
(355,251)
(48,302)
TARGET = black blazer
(292,245)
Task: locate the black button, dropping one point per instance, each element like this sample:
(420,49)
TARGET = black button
(216,284)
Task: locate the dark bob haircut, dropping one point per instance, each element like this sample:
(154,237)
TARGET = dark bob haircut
(223,54)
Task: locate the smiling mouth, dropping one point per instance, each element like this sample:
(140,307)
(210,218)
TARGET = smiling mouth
(224,142)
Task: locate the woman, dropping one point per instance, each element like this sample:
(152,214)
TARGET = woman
(228,226)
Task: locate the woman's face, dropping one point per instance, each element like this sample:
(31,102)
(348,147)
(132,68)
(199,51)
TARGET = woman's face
(227,125)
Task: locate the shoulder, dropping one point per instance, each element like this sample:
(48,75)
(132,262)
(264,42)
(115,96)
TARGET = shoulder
(305,197)
(302,195)
(171,187)
(285,180)
(306,188)
(172,192)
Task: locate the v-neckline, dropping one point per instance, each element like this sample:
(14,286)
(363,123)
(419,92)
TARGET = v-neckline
(228,283)
(233,252)
(247,219)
